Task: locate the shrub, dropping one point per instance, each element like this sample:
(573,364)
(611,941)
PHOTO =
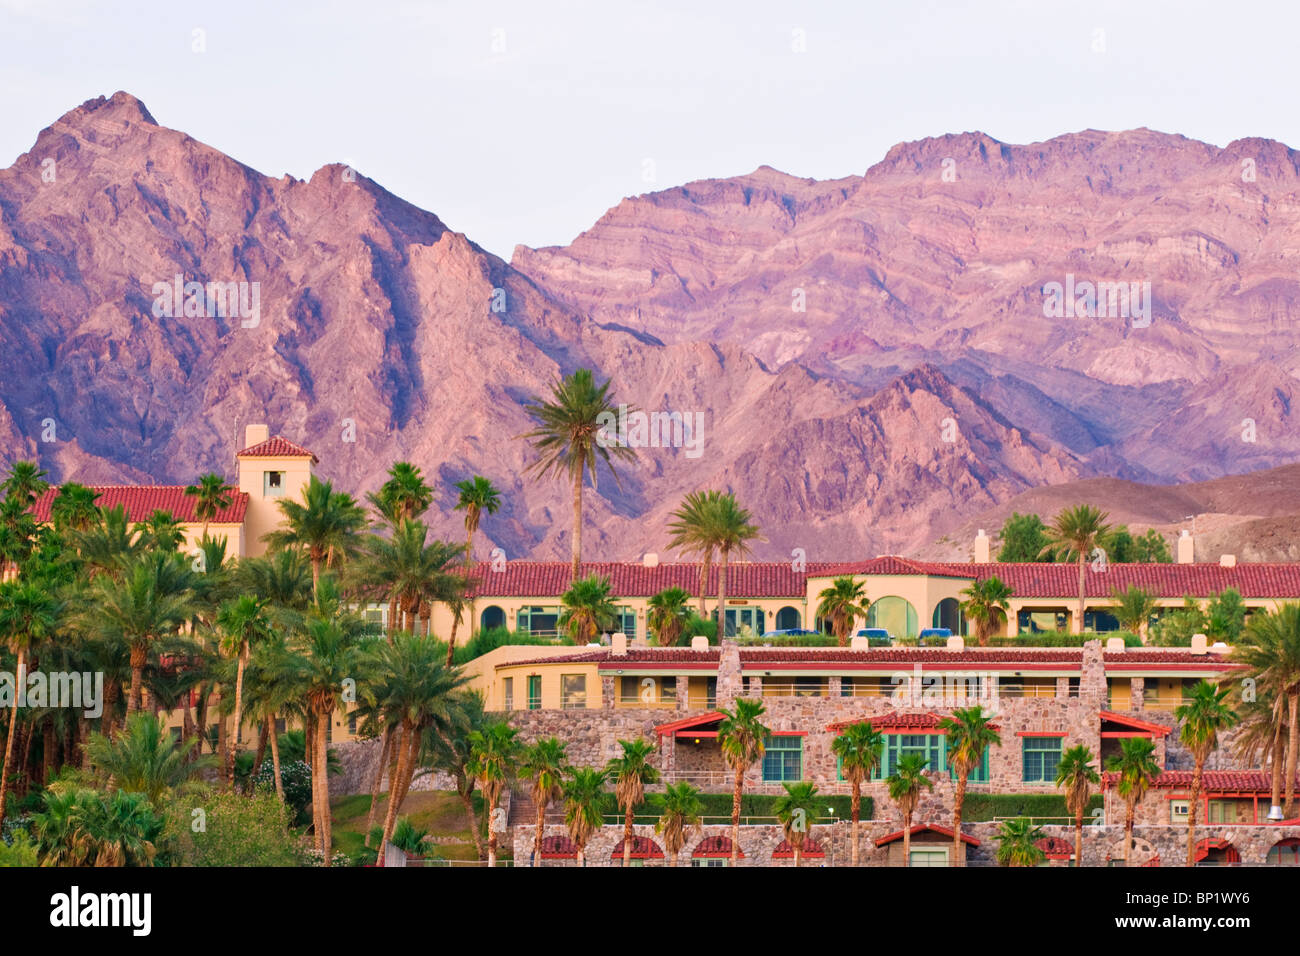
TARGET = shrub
(980,807)
(407,837)
(697,626)
(492,638)
(19,851)
(295,776)
(231,830)
(1062,639)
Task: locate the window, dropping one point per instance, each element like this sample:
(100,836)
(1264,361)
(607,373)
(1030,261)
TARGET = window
(352,723)
(1042,754)
(626,622)
(710,861)
(1178,811)
(927,857)
(508,689)
(980,774)
(783,759)
(280,725)
(898,746)
(375,617)
(272,484)
(573,691)
(535,692)
(1284,853)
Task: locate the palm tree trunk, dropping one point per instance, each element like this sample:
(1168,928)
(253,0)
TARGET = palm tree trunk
(627,837)
(722,596)
(798,855)
(959,798)
(1083,591)
(1078,836)
(239,694)
(577,522)
(1128,831)
(384,749)
(275,757)
(392,618)
(139,656)
(856,810)
(467,799)
(1192,806)
(489,810)
(9,737)
(451,642)
(322,762)
(1292,751)
(735,816)
(706,561)
(315,576)
(907,838)
(395,784)
(541,825)
(227,752)
(263,738)
(1277,766)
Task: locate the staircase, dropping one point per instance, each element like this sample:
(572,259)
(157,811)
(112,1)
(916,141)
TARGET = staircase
(524,811)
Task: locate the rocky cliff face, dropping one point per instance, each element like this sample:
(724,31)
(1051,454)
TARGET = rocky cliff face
(870,355)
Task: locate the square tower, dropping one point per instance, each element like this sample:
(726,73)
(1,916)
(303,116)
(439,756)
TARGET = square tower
(270,468)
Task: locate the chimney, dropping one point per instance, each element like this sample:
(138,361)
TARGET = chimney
(1115,645)
(1227,560)
(1200,644)
(860,643)
(255,435)
(956,643)
(699,643)
(1186,550)
(982,548)
(650,560)
(618,645)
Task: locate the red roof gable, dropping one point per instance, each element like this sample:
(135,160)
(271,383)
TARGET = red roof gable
(923,828)
(786,852)
(276,447)
(686,723)
(1056,848)
(552,578)
(1124,720)
(140,501)
(643,848)
(716,846)
(1212,781)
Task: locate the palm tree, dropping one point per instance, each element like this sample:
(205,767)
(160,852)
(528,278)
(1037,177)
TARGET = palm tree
(742,738)
(843,603)
(327,525)
(1203,717)
(25,482)
(411,571)
(858,749)
(478,496)
(1076,774)
(796,810)
(109,543)
(212,495)
(416,694)
(733,532)
(667,615)
(986,606)
(905,785)
(569,438)
(1270,649)
(1137,769)
(1076,532)
(585,799)
(82,827)
(631,771)
(162,530)
(73,509)
(451,752)
(404,496)
(588,609)
(270,668)
(1133,609)
(680,817)
(545,763)
(494,753)
(243,623)
(332,658)
(693,531)
(152,601)
(143,757)
(1018,843)
(28,617)
(969,736)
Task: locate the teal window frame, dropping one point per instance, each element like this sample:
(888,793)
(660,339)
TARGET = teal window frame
(935,749)
(535,699)
(783,759)
(1036,763)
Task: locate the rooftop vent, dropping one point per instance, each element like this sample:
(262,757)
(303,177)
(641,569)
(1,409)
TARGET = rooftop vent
(1114,645)
(650,560)
(956,643)
(618,645)
(1227,560)
(699,643)
(859,643)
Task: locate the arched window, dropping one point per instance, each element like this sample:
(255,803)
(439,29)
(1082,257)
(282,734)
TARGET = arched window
(788,618)
(492,617)
(894,614)
(1284,853)
(948,613)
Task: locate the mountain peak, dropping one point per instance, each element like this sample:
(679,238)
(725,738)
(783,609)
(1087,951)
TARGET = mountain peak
(120,107)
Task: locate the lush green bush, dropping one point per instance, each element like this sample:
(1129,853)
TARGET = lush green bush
(988,806)
(830,806)
(791,640)
(1062,639)
(19,851)
(295,777)
(491,639)
(698,626)
(229,829)
(408,837)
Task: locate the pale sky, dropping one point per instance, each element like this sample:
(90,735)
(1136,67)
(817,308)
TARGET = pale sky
(523,122)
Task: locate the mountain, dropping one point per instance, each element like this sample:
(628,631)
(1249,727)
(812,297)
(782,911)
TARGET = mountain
(920,384)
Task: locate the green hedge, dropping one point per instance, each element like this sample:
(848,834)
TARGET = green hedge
(988,806)
(755,805)
(1062,639)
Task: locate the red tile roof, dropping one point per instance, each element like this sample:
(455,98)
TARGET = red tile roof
(686,723)
(1212,781)
(785,851)
(1138,658)
(1125,720)
(140,501)
(892,720)
(636,656)
(927,827)
(559,848)
(716,846)
(643,848)
(779,579)
(752,657)
(1056,848)
(276,447)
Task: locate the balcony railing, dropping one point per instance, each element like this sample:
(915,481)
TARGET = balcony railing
(778,688)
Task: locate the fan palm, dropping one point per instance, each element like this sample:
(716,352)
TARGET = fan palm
(212,495)
(243,623)
(29,616)
(631,771)
(986,606)
(667,615)
(858,749)
(796,811)
(1137,769)
(327,525)
(1076,532)
(1133,609)
(733,532)
(692,531)
(1018,843)
(26,482)
(970,734)
(585,799)
(143,758)
(73,509)
(478,496)
(568,440)
(843,603)
(1203,717)
(404,496)
(680,817)
(905,785)
(1076,774)
(587,609)
(1270,649)
(742,738)
(544,763)
(494,753)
